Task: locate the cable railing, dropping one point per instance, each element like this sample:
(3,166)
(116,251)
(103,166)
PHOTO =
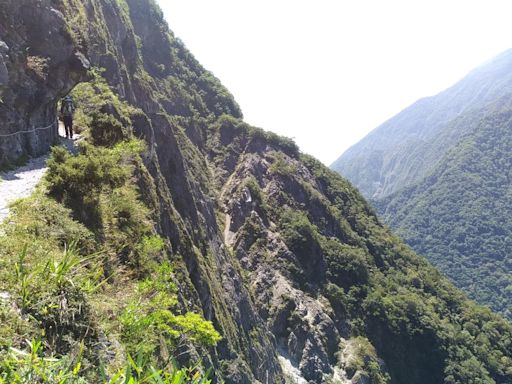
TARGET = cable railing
(29,131)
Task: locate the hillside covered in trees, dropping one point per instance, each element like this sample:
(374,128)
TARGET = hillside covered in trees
(460,215)
(181,245)
(447,192)
(403,150)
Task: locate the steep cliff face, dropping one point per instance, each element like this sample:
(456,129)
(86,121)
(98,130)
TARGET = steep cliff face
(284,256)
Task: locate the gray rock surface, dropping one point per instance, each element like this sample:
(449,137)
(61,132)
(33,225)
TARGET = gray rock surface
(38,65)
(4,74)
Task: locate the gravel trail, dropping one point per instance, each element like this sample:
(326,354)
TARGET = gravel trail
(20,183)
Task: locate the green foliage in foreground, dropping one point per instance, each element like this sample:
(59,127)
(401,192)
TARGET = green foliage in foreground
(31,366)
(79,264)
(147,319)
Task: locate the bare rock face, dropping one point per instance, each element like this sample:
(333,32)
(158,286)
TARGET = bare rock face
(4,74)
(39,63)
(307,336)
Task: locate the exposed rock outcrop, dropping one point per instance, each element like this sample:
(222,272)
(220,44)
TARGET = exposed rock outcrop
(39,63)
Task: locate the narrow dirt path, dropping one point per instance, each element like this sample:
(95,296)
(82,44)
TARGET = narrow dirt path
(20,183)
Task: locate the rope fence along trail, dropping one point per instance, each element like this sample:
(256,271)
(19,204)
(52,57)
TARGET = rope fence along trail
(21,182)
(29,131)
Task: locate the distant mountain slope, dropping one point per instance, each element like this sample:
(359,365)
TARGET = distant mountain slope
(402,150)
(460,216)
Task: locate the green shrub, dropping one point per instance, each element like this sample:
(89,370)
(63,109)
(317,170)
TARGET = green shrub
(31,366)
(106,130)
(346,265)
(299,234)
(281,165)
(148,319)
(104,118)
(97,186)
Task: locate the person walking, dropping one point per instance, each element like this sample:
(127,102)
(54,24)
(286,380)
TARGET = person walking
(67,110)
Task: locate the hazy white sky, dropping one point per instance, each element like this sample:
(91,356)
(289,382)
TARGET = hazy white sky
(326,72)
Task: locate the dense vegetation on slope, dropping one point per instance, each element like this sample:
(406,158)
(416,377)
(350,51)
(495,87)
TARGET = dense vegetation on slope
(439,175)
(170,99)
(212,239)
(460,216)
(403,150)
(316,232)
(80,259)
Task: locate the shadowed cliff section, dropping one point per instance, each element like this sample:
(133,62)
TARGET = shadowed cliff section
(284,257)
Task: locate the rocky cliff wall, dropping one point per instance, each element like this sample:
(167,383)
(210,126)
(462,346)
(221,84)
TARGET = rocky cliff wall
(39,63)
(147,66)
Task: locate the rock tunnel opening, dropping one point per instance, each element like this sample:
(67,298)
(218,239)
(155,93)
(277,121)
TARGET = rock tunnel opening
(30,124)
(71,110)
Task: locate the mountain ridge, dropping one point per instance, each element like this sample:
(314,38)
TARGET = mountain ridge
(453,209)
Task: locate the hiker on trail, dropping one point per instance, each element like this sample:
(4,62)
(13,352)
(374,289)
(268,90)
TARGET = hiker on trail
(67,109)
